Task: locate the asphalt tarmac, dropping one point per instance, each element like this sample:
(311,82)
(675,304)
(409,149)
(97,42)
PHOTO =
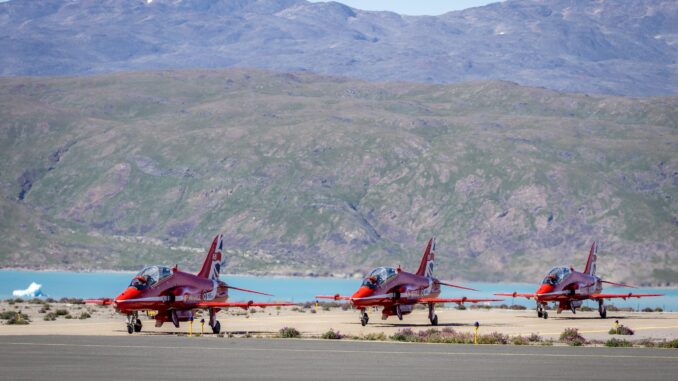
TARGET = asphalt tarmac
(135,357)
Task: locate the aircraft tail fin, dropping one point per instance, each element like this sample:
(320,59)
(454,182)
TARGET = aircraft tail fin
(213,261)
(590,268)
(426,264)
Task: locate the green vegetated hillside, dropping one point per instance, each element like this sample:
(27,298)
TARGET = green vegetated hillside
(309,174)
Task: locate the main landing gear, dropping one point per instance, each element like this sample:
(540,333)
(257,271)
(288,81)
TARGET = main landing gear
(541,311)
(601,309)
(214,323)
(399,312)
(363,317)
(133,323)
(432,317)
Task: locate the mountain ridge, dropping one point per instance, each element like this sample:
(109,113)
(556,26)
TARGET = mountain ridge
(314,174)
(594,47)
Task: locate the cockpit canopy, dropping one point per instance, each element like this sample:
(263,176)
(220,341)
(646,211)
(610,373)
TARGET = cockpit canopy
(378,276)
(556,275)
(150,276)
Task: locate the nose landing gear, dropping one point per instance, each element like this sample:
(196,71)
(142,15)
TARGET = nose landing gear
(541,311)
(364,318)
(133,323)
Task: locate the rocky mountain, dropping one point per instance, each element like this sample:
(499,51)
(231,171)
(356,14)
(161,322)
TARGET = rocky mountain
(306,173)
(610,47)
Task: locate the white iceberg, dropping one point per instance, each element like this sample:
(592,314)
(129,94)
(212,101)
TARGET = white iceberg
(33,291)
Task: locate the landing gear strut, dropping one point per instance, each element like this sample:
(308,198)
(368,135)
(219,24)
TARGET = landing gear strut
(133,323)
(364,318)
(214,323)
(541,311)
(601,309)
(432,317)
(399,312)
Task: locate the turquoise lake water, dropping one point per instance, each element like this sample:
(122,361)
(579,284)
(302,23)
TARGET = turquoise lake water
(58,284)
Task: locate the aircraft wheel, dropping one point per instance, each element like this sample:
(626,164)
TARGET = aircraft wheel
(539,313)
(137,326)
(130,328)
(217,327)
(364,319)
(546,315)
(603,312)
(434,321)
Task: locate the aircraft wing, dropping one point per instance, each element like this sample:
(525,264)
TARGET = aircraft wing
(623,296)
(101,302)
(243,305)
(514,294)
(333,297)
(456,300)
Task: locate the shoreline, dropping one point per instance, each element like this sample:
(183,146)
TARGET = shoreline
(276,276)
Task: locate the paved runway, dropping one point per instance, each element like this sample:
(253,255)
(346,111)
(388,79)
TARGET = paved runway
(75,358)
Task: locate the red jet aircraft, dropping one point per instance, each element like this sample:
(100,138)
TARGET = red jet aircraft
(398,291)
(176,294)
(569,288)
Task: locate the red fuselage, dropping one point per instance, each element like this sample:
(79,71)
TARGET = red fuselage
(566,286)
(392,287)
(176,291)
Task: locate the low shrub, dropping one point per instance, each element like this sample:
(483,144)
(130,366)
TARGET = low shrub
(460,307)
(623,330)
(289,333)
(6,315)
(313,311)
(84,316)
(61,312)
(517,307)
(586,309)
(50,316)
(645,343)
(614,308)
(345,307)
(534,338)
(68,316)
(618,343)
(331,335)
(493,338)
(36,301)
(405,334)
(297,309)
(375,336)
(668,344)
(71,301)
(480,307)
(658,309)
(15,318)
(45,307)
(572,337)
(329,305)
(520,340)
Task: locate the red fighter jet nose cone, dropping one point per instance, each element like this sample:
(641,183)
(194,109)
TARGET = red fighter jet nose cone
(129,293)
(362,292)
(544,289)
